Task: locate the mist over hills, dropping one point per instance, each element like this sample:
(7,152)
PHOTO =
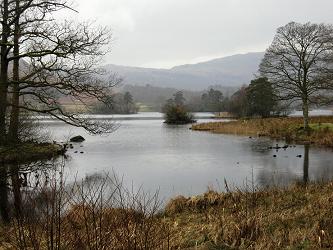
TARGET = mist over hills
(231,71)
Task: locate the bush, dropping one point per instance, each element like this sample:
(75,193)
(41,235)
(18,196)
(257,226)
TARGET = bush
(177,114)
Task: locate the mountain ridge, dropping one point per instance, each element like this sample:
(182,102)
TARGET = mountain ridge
(234,70)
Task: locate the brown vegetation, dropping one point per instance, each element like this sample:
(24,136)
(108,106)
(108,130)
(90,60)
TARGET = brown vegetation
(289,128)
(295,218)
(95,213)
(98,213)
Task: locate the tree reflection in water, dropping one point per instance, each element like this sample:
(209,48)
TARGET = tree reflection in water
(94,213)
(306,164)
(19,180)
(284,170)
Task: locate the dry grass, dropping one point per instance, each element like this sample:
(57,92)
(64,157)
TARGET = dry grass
(298,217)
(95,213)
(289,128)
(99,213)
(295,218)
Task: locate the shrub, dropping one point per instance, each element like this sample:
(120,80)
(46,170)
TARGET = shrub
(177,114)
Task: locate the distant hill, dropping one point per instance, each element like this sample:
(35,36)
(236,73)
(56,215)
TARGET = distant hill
(227,71)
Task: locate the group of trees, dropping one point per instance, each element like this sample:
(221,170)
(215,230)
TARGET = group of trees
(296,68)
(118,103)
(212,101)
(42,59)
(257,99)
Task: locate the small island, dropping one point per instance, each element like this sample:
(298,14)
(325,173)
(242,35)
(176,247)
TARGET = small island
(175,111)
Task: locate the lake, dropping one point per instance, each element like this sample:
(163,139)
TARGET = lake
(147,153)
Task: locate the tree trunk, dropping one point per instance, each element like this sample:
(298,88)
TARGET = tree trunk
(4,71)
(4,208)
(306,114)
(15,111)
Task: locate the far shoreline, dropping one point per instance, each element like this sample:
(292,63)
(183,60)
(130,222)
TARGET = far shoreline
(289,129)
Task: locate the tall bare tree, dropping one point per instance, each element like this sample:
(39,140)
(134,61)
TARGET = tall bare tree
(60,59)
(298,64)
(4,50)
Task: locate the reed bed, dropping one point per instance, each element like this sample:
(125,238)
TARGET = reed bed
(289,128)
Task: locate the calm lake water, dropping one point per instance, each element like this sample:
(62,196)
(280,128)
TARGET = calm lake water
(150,154)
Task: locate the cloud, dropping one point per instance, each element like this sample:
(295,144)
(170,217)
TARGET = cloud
(166,32)
(121,18)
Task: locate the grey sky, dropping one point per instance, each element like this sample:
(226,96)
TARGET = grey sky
(165,33)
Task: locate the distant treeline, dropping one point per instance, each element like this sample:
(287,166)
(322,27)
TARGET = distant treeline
(255,100)
(118,103)
(156,97)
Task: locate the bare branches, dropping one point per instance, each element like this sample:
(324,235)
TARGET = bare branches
(299,63)
(57,59)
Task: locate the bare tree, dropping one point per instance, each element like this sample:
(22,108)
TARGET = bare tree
(4,50)
(59,59)
(298,64)
(63,63)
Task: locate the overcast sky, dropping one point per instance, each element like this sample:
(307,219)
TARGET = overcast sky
(165,33)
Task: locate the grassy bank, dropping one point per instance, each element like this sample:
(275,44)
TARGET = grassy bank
(289,128)
(28,152)
(294,218)
(298,217)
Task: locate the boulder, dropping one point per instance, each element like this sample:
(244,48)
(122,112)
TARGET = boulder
(78,138)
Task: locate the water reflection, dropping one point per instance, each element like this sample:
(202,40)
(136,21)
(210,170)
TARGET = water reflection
(177,160)
(300,164)
(312,164)
(151,155)
(19,180)
(306,164)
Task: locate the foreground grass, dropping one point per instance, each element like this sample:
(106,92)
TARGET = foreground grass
(298,217)
(294,218)
(289,128)
(28,152)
